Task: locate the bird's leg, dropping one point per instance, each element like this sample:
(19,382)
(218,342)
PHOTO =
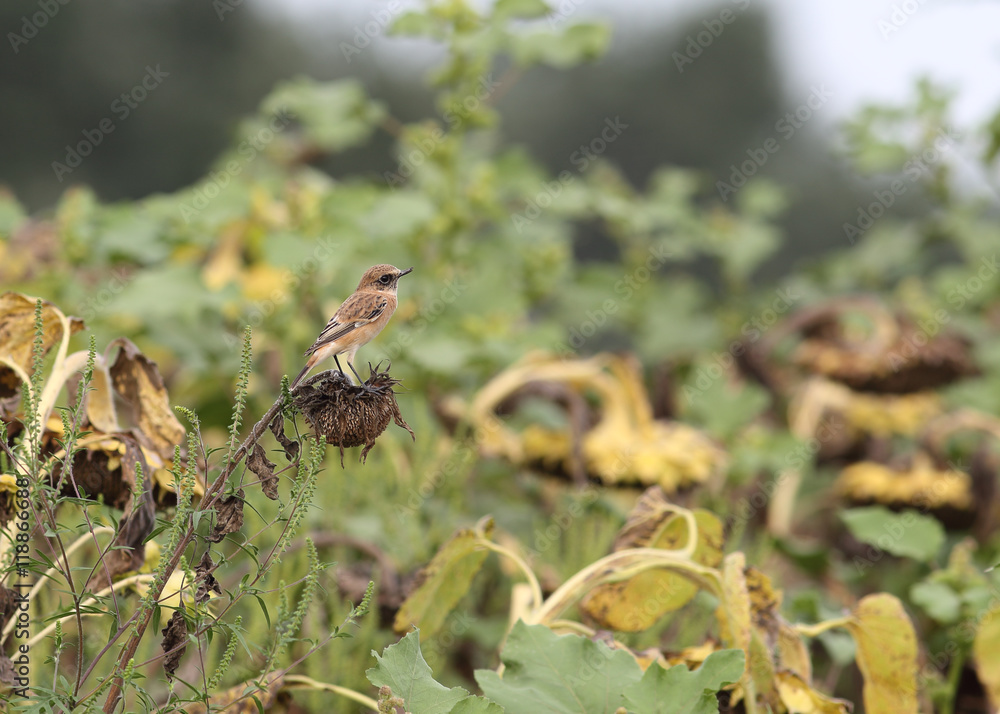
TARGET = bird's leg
(341,369)
(361,382)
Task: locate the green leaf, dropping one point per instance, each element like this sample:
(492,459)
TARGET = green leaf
(440,355)
(938,600)
(414,24)
(335,115)
(445,580)
(402,668)
(397,215)
(713,402)
(907,534)
(11,213)
(133,234)
(263,608)
(545,672)
(580,42)
(762,198)
(525,9)
(840,646)
(476,705)
(690,692)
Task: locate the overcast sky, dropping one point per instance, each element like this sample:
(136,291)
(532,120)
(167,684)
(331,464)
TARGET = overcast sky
(863,50)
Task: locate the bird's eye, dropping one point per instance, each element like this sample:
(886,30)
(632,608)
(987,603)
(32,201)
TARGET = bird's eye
(385,279)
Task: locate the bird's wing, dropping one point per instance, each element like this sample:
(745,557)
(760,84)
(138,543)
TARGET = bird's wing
(357,311)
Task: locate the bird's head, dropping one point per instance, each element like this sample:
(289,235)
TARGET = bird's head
(382,278)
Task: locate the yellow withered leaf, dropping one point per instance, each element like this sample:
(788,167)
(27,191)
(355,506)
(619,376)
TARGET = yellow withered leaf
(8,483)
(626,445)
(444,581)
(263,282)
(765,601)
(886,654)
(735,615)
(799,698)
(637,603)
(226,261)
(792,653)
(776,644)
(986,650)
(100,398)
(137,380)
(17,335)
(629,445)
(734,610)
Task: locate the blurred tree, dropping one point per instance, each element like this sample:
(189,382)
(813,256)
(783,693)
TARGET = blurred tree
(687,100)
(67,67)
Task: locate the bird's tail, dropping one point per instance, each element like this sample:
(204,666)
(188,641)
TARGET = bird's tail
(303,373)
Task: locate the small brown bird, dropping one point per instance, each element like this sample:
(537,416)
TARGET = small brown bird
(359,318)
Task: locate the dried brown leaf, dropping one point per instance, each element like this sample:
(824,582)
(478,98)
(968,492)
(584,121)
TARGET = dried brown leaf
(228,516)
(17,336)
(6,671)
(106,469)
(8,605)
(129,552)
(207,584)
(137,381)
(258,462)
(290,446)
(175,636)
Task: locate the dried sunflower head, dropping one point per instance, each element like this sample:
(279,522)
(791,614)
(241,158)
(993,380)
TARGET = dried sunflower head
(347,415)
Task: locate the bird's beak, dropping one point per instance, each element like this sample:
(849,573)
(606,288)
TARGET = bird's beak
(404,272)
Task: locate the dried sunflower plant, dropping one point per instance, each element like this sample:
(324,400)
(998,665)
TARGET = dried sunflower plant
(126,569)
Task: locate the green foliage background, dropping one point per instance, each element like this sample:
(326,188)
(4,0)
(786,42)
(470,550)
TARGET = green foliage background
(269,240)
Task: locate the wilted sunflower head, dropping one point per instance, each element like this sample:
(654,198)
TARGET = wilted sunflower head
(347,415)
